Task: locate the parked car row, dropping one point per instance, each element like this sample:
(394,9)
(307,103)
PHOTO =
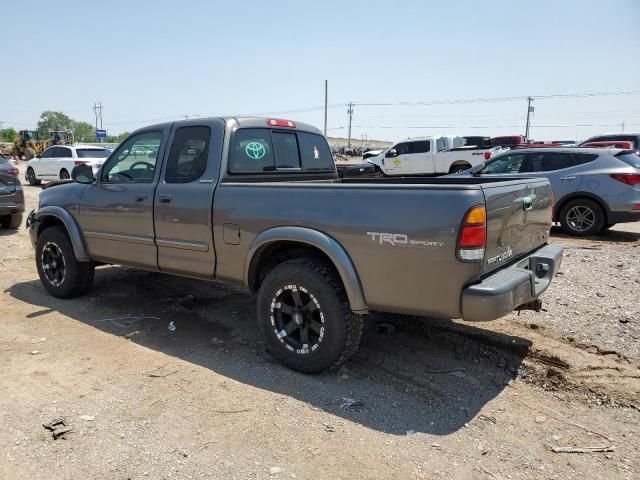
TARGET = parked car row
(57,162)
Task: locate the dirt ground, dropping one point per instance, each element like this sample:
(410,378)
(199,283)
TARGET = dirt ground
(423,398)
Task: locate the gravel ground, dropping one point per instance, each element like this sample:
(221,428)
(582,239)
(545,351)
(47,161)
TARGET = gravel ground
(594,300)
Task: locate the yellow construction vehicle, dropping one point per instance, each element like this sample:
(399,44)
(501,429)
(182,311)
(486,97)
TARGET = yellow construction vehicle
(28,143)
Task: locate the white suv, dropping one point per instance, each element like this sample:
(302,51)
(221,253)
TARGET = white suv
(56,162)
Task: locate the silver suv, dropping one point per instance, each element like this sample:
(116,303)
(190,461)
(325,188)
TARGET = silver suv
(594,188)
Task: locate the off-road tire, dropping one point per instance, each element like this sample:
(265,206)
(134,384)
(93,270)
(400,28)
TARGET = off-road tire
(342,328)
(31,177)
(78,276)
(12,222)
(597,215)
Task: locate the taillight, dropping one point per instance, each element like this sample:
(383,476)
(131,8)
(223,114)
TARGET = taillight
(487,155)
(80,162)
(15,172)
(276,122)
(473,235)
(628,178)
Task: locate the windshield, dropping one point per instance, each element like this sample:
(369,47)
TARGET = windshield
(92,153)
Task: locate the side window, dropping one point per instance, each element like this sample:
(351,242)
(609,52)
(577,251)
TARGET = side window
(65,152)
(315,152)
(285,147)
(251,151)
(47,153)
(511,163)
(402,148)
(582,158)
(188,154)
(54,152)
(419,147)
(549,161)
(134,161)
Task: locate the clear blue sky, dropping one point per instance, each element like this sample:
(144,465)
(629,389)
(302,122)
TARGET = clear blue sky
(148,60)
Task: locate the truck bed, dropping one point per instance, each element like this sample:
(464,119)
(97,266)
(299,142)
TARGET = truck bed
(422,276)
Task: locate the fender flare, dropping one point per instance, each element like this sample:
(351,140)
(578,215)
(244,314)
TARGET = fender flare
(75,236)
(323,242)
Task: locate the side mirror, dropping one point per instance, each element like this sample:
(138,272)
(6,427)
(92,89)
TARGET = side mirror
(82,173)
(476,169)
(392,153)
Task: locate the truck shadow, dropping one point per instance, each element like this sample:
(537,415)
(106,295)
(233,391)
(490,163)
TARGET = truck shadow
(608,236)
(410,374)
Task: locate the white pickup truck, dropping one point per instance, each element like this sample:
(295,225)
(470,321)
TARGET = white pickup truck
(430,156)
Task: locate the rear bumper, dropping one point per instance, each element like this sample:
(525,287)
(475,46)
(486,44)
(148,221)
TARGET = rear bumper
(623,217)
(505,290)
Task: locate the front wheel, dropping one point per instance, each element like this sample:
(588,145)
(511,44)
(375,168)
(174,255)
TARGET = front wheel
(60,273)
(305,317)
(378,173)
(582,217)
(31,177)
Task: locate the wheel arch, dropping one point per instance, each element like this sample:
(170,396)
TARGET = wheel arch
(458,163)
(53,215)
(577,196)
(275,245)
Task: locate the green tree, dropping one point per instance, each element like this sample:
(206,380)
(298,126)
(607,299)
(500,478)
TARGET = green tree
(83,132)
(9,135)
(117,138)
(53,121)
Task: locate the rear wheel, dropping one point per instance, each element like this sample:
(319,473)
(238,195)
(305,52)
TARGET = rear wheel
(64,175)
(12,222)
(305,317)
(60,273)
(582,217)
(31,177)
(461,167)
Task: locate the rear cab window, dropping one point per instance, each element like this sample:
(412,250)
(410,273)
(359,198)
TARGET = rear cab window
(258,150)
(92,153)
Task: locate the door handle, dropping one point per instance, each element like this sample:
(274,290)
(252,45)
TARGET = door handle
(567,178)
(164,198)
(141,197)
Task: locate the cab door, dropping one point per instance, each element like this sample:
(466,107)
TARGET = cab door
(397,159)
(184,198)
(116,212)
(558,167)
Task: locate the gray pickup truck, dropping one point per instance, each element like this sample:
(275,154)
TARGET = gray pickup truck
(258,202)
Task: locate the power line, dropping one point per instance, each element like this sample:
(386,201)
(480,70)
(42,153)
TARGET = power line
(499,99)
(482,126)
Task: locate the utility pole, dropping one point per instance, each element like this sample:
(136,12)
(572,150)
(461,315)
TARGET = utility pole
(1,124)
(622,126)
(326,96)
(97,110)
(529,111)
(350,112)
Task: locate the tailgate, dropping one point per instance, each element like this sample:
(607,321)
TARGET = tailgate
(518,219)
(7,184)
